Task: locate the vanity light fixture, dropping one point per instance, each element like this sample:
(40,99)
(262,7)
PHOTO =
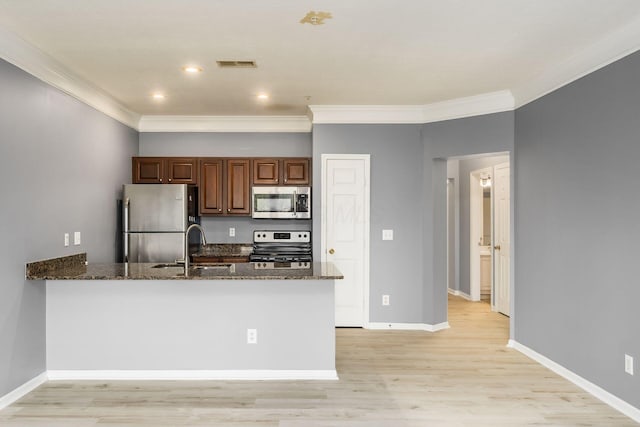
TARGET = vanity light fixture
(485,180)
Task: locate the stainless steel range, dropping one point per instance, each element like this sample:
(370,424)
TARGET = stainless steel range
(276,249)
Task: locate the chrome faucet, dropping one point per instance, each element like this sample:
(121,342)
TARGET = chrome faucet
(186,245)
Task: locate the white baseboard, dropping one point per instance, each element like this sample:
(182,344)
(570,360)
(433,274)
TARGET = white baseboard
(246,374)
(25,388)
(460,294)
(408,326)
(598,392)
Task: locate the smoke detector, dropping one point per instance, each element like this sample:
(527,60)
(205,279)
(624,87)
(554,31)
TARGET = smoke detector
(315,18)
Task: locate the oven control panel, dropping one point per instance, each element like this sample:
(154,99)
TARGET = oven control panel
(273,236)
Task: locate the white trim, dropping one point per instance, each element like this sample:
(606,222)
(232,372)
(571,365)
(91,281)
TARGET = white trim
(367,218)
(244,374)
(476,105)
(458,293)
(224,124)
(408,326)
(25,388)
(367,113)
(622,42)
(596,391)
(44,67)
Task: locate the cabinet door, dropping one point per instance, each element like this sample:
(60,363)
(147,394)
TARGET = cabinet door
(182,171)
(211,186)
(148,170)
(238,187)
(266,172)
(296,171)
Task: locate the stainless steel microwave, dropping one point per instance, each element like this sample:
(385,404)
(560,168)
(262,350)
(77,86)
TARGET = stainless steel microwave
(281,202)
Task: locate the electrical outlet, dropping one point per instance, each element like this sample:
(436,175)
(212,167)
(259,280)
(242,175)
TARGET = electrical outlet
(385,299)
(76,238)
(232,232)
(66,239)
(252,336)
(628,364)
(387,234)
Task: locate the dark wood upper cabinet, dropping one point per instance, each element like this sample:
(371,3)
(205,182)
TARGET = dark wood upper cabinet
(182,170)
(266,171)
(164,170)
(296,171)
(148,170)
(211,186)
(238,186)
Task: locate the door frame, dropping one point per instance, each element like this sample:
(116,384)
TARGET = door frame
(476,195)
(366,215)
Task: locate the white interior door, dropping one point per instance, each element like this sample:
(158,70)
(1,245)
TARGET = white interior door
(345,237)
(501,239)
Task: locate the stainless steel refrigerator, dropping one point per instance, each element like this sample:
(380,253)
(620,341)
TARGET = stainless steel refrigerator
(155,219)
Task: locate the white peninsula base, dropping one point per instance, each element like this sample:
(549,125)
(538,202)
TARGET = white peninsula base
(181,329)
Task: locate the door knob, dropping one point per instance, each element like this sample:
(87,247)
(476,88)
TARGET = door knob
(331,251)
(496,247)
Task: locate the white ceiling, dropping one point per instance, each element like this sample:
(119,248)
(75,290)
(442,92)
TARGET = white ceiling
(372,52)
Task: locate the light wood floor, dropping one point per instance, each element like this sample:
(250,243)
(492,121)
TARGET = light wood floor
(463,376)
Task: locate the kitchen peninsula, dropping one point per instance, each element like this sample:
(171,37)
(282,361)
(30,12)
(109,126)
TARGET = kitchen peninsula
(142,321)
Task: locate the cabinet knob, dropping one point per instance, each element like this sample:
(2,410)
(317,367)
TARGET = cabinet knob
(332,251)
(169,179)
(496,247)
(220,210)
(160,179)
(228,209)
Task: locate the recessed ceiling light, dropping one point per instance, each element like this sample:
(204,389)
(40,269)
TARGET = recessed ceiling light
(158,96)
(192,69)
(263,96)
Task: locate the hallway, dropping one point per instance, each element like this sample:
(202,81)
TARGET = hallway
(462,376)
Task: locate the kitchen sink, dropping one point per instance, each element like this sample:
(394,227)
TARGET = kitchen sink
(168,265)
(211,266)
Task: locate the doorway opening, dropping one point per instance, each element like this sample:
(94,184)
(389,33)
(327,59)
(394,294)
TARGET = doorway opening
(478,227)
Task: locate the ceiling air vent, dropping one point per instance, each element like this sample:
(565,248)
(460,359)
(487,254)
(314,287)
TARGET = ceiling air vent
(237,64)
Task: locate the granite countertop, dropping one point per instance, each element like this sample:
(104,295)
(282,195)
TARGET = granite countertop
(74,268)
(222,250)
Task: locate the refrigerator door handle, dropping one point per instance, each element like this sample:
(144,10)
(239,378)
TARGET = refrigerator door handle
(125,222)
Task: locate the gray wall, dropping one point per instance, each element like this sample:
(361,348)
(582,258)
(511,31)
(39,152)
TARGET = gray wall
(209,144)
(461,137)
(577,225)
(396,177)
(465,167)
(62,166)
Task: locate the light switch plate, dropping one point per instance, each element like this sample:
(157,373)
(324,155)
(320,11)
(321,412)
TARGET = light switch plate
(232,232)
(66,239)
(628,364)
(76,238)
(387,234)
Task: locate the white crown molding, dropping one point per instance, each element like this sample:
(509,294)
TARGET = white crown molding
(408,326)
(352,114)
(242,374)
(620,43)
(25,388)
(224,124)
(476,105)
(42,66)
(608,398)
